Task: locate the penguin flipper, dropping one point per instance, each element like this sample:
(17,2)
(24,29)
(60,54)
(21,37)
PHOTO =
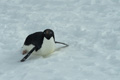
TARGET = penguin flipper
(30,52)
(61,43)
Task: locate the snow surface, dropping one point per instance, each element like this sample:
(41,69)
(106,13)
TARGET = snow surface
(90,27)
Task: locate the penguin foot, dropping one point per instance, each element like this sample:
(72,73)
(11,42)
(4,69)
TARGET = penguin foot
(24,52)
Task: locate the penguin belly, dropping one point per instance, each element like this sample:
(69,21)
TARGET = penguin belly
(47,47)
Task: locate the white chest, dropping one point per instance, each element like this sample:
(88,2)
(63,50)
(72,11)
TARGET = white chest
(47,47)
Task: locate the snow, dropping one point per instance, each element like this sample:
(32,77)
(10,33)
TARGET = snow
(90,27)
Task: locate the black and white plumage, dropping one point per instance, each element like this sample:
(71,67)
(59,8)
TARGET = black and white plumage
(40,42)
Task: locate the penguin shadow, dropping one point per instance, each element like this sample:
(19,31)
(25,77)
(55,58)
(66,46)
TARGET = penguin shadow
(34,57)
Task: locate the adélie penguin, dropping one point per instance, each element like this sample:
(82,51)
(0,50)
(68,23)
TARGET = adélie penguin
(40,42)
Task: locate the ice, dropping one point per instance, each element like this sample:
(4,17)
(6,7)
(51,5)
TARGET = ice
(90,27)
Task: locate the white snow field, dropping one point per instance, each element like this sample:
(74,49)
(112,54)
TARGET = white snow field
(90,27)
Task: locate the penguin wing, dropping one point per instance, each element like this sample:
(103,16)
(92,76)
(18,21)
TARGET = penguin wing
(35,39)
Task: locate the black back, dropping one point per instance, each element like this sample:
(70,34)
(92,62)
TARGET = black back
(36,39)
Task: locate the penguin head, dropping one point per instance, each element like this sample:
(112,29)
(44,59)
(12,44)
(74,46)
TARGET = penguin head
(48,33)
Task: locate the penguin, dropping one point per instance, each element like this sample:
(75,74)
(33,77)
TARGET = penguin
(42,43)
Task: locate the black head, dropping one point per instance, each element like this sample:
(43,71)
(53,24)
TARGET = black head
(48,33)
